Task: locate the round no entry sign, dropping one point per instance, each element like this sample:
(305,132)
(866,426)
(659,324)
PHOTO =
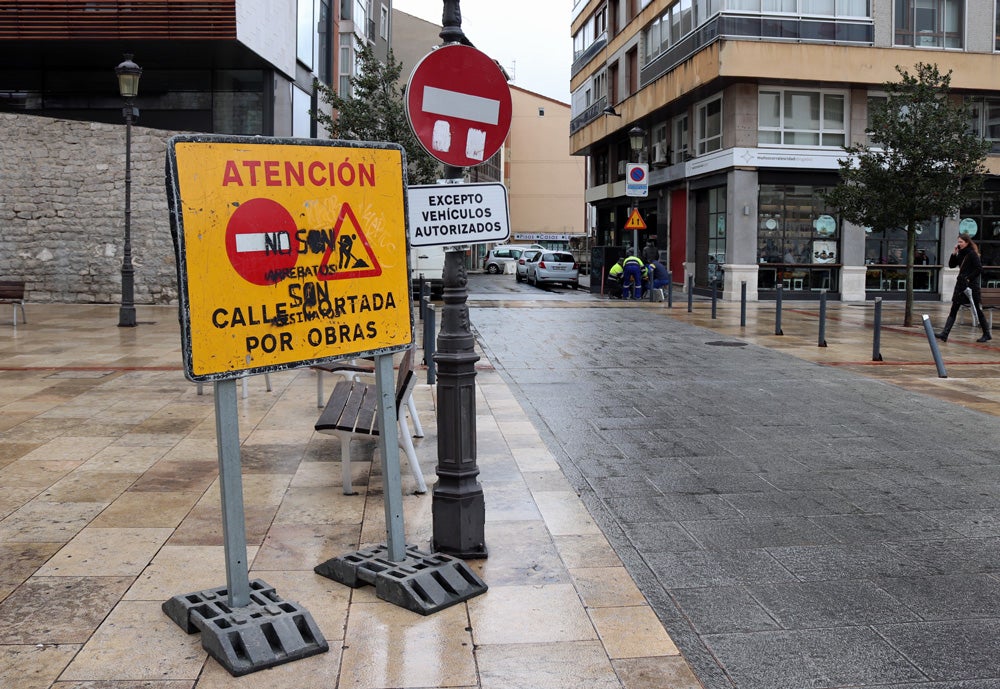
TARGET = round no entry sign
(260,241)
(458,104)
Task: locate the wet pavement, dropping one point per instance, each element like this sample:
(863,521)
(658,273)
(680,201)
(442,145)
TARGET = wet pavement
(797,515)
(668,496)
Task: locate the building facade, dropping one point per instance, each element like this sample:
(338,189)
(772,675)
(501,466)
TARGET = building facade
(544,182)
(218,66)
(744,107)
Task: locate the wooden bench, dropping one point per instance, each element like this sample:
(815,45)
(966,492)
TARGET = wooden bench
(352,412)
(12,292)
(353,370)
(990,297)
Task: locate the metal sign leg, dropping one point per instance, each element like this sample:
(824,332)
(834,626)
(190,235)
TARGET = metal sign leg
(244,625)
(388,445)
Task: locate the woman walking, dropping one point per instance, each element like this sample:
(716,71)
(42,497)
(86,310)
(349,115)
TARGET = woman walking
(966,258)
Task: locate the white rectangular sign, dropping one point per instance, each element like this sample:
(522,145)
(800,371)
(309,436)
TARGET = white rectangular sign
(636,179)
(456,214)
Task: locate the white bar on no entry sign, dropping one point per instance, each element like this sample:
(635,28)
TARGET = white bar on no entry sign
(462,105)
(274,242)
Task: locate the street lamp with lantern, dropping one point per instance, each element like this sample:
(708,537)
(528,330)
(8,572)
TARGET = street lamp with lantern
(636,140)
(128,86)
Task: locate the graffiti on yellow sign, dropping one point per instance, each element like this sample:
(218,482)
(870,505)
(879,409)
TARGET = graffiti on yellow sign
(288,253)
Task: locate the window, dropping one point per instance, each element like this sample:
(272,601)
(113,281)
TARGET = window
(305,32)
(679,139)
(788,230)
(301,121)
(346,70)
(874,101)
(383,24)
(592,30)
(787,117)
(716,235)
(708,129)
(985,211)
(929,23)
(984,120)
(889,248)
(600,86)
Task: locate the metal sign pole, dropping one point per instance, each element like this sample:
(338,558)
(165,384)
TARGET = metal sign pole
(234,536)
(388,446)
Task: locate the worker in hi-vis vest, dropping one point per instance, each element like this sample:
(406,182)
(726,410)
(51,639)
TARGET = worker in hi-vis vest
(634,272)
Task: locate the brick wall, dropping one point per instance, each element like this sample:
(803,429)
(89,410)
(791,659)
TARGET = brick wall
(62,210)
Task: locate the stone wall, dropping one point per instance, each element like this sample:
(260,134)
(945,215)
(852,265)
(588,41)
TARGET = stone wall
(62,210)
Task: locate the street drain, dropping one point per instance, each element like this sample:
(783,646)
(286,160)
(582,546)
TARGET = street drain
(726,343)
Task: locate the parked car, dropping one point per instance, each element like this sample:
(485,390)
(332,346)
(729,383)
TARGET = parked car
(553,267)
(500,256)
(521,271)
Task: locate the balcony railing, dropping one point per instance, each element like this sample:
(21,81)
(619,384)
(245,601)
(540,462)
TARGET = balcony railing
(588,115)
(758,27)
(589,54)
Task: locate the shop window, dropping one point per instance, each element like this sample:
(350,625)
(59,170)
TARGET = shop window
(716,235)
(984,211)
(708,129)
(798,239)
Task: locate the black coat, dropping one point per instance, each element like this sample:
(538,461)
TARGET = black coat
(969,268)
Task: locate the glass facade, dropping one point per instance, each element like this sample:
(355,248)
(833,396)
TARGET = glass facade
(885,259)
(798,239)
(984,211)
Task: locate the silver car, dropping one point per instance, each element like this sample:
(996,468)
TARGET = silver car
(553,267)
(522,264)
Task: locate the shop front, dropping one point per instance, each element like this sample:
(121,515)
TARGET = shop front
(799,242)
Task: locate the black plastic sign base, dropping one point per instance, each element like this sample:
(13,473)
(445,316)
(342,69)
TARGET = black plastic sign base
(421,582)
(265,633)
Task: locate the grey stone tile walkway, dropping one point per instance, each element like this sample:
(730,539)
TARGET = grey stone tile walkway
(793,525)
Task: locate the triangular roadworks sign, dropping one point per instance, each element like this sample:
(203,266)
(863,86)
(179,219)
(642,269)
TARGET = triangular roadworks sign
(635,221)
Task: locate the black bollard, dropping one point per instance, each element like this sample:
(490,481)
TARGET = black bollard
(877,335)
(777,313)
(822,318)
(934,347)
(429,327)
(743,303)
(714,299)
(690,293)
(670,290)
(425,307)
(425,291)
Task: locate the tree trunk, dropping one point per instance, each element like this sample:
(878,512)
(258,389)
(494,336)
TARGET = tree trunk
(911,247)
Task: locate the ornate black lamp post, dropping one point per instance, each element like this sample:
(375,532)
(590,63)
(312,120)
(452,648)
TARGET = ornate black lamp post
(128,86)
(636,140)
(458,505)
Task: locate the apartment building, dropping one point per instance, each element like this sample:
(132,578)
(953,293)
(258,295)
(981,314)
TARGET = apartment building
(744,107)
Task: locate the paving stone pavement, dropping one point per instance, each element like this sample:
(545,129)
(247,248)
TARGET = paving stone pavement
(798,516)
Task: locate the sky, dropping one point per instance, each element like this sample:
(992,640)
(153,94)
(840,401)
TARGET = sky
(530,38)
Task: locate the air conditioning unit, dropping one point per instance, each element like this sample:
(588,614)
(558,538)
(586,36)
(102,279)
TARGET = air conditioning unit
(660,154)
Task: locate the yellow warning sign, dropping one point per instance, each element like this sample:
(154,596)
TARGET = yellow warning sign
(288,253)
(635,221)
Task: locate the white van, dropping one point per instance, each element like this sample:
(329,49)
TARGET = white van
(429,261)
